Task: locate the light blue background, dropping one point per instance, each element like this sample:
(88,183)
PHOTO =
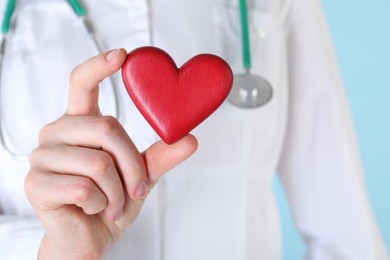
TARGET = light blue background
(361,36)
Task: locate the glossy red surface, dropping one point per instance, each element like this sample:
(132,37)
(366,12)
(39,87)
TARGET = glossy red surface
(174,101)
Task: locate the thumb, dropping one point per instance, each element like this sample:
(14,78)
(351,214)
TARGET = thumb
(85,79)
(161,157)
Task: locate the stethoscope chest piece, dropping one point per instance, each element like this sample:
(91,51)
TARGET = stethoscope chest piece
(250,91)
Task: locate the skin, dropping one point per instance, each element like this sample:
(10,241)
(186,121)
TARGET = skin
(87,180)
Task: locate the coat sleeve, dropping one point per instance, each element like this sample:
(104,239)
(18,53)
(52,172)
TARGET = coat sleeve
(320,168)
(19,237)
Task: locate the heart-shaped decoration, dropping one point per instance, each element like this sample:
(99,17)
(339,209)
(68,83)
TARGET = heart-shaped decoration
(174,101)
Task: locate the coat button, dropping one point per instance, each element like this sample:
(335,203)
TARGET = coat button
(261,33)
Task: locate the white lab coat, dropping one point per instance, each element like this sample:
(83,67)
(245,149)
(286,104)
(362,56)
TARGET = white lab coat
(219,204)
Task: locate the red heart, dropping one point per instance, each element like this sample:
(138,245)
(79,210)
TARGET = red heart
(174,101)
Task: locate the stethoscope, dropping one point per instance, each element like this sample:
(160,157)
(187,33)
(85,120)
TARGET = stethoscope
(248,91)
(82,14)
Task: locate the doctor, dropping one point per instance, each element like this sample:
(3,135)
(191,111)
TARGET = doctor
(219,203)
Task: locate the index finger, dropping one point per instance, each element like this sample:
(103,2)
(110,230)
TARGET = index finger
(85,79)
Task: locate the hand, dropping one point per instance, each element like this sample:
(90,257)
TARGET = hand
(87,181)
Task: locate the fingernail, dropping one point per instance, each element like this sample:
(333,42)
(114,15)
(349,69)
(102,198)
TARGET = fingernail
(112,54)
(141,190)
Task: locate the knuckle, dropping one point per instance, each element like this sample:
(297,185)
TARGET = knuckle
(74,74)
(29,184)
(83,71)
(108,126)
(82,190)
(38,155)
(35,156)
(46,131)
(100,163)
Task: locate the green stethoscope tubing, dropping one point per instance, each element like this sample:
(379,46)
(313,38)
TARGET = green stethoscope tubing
(81,13)
(245,36)
(77,8)
(248,91)
(7,16)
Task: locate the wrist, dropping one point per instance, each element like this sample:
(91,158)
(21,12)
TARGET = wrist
(48,252)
